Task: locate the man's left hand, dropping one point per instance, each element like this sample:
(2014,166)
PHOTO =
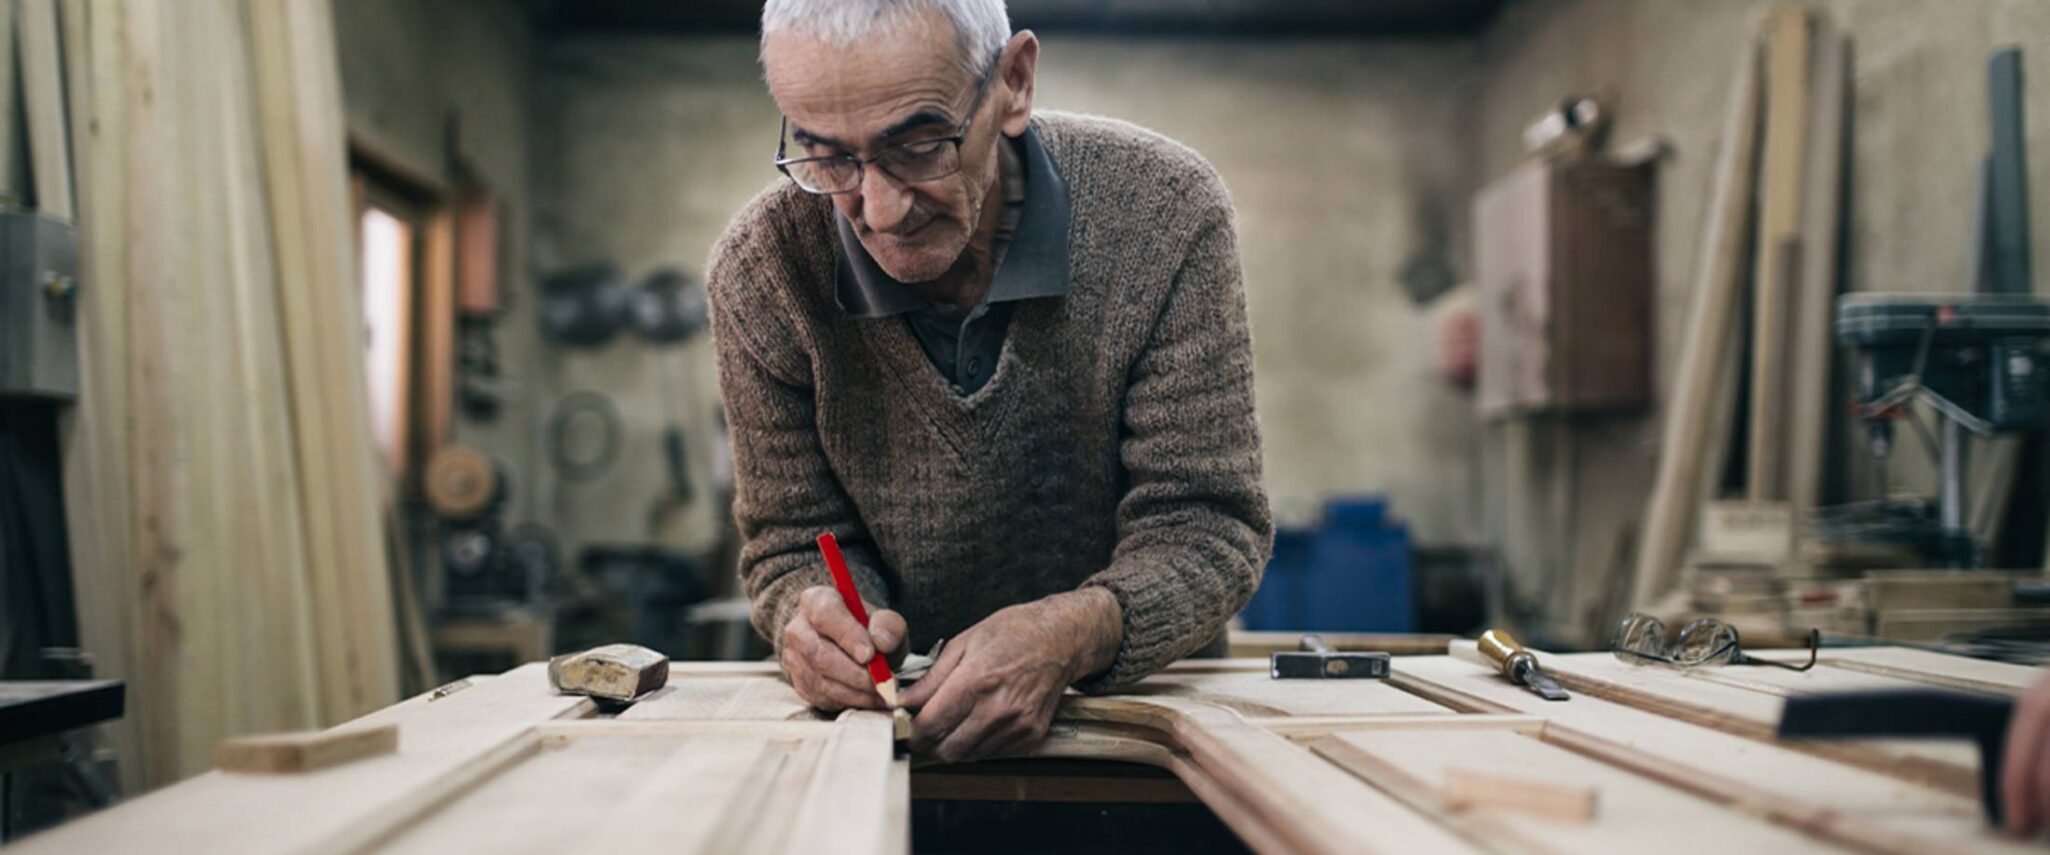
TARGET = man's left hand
(994,688)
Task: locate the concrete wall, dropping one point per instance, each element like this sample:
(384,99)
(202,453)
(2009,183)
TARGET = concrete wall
(1919,131)
(1345,160)
(409,67)
(643,151)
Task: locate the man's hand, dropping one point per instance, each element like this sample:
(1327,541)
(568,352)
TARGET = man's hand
(2025,769)
(994,688)
(826,651)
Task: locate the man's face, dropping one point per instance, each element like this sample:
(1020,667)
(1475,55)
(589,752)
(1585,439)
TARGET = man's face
(901,87)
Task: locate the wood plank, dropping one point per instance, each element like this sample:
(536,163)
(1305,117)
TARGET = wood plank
(307,751)
(1809,403)
(1255,693)
(1839,803)
(1935,624)
(94,434)
(1706,369)
(844,808)
(1634,814)
(1467,788)
(1298,798)
(1779,247)
(1252,643)
(42,83)
(298,95)
(691,695)
(1896,590)
(1923,666)
(444,747)
(1311,727)
(1747,702)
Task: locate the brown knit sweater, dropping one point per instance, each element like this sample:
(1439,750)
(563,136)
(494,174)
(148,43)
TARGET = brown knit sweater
(1115,445)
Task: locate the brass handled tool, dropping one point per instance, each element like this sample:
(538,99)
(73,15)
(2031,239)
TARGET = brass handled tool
(1519,665)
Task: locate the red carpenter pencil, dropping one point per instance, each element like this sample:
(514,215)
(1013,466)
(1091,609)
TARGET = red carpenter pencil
(878,667)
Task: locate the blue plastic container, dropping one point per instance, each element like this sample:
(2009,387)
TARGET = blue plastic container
(1351,573)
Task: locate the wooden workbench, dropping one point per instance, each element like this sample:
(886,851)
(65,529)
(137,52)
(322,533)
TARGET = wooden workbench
(726,759)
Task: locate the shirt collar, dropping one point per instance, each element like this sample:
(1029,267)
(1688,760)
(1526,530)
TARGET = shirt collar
(1034,265)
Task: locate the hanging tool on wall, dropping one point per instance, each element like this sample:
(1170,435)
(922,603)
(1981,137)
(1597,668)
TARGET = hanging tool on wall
(1519,665)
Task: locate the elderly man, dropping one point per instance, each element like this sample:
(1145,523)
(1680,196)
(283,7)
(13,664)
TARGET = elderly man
(1002,356)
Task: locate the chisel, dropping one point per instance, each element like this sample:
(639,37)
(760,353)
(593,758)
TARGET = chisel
(1519,665)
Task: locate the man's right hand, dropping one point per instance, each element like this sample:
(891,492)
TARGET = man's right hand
(826,651)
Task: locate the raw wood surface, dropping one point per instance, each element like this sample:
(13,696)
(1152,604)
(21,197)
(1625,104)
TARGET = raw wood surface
(1543,798)
(1250,643)
(1747,701)
(1922,666)
(1779,246)
(1467,788)
(305,751)
(1840,804)
(502,764)
(1703,381)
(1895,590)
(444,747)
(1934,624)
(1809,404)
(298,97)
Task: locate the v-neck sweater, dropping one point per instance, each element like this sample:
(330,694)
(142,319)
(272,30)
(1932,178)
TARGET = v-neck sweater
(1116,445)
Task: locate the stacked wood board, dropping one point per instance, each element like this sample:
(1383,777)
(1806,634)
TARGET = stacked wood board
(1906,606)
(221,486)
(726,758)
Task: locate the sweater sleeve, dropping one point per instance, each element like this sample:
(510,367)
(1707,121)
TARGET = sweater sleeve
(785,491)
(1194,530)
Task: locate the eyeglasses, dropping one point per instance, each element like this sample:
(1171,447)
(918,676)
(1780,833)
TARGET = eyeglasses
(1641,639)
(913,162)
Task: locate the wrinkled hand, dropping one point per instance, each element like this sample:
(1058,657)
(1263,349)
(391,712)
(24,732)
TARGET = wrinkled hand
(2025,769)
(826,651)
(994,688)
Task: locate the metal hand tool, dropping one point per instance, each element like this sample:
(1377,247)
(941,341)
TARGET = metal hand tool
(1317,661)
(1519,665)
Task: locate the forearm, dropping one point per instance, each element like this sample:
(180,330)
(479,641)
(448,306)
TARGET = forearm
(1097,625)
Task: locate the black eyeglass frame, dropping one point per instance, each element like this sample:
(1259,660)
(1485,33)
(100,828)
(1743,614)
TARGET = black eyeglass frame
(784,162)
(1732,647)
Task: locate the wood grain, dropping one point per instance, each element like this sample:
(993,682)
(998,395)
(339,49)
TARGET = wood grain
(1779,247)
(305,751)
(1702,383)
(1836,803)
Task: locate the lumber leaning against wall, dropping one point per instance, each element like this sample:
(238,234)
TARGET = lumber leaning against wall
(225,521)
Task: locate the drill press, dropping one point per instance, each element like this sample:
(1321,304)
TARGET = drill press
(1978,360)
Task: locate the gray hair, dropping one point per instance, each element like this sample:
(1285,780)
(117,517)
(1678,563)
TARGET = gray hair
(981,27)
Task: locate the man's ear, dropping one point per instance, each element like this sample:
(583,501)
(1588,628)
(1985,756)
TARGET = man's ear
(1017,70)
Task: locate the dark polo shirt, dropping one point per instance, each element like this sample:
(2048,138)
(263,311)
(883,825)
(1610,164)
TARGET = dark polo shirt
(964,342)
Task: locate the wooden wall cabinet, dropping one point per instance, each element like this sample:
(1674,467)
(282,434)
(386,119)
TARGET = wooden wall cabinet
(1563,272)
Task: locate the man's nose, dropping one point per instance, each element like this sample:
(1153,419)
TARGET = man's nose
(885,201)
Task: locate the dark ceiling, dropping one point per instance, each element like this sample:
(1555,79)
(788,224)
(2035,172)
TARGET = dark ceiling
(1264,18)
